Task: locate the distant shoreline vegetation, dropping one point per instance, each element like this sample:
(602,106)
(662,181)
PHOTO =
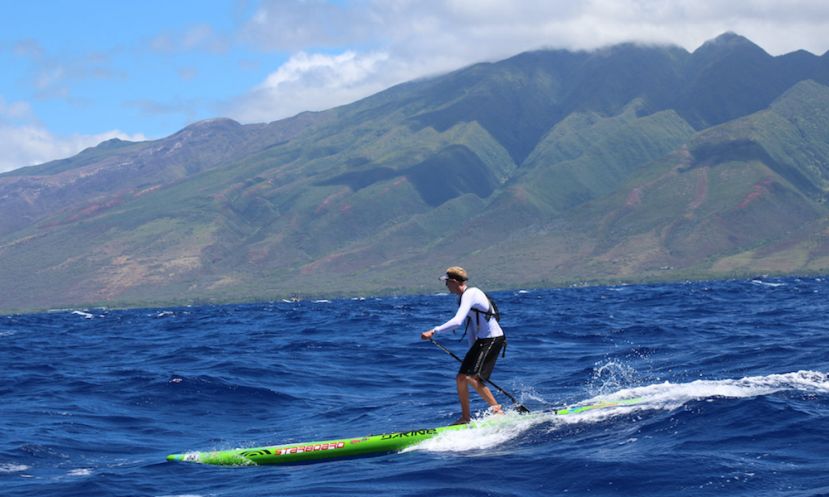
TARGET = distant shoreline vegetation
(394,293)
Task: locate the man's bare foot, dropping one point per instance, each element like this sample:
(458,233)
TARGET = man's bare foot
(496,409)
(461,421)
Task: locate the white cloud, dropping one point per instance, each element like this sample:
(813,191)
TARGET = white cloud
(314,82)
(30,144)
(25,142)
(346,69)
(494,28)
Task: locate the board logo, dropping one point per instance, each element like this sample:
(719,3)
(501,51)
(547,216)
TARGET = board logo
(311,448)
(407,434)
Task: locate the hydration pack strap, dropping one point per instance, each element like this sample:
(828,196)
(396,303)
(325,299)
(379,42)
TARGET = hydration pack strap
(489,315)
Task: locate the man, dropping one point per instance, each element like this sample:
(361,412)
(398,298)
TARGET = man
(485,337)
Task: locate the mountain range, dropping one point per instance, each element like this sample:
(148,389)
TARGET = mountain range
(553,167)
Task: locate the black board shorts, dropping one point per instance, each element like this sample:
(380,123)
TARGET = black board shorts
(480,359)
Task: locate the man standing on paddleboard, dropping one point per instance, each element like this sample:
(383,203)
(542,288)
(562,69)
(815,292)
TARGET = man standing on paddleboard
(486,338)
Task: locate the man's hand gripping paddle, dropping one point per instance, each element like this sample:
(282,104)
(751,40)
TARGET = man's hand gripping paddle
(518,407)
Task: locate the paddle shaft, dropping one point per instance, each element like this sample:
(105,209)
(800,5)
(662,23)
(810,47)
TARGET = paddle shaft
(518,406)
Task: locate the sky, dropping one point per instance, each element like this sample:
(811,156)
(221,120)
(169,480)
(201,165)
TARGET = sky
(78,72)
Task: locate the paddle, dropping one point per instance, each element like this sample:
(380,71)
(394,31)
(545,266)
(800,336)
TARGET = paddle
(518,407)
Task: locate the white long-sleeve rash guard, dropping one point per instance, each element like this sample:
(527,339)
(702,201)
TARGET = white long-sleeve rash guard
(473,298)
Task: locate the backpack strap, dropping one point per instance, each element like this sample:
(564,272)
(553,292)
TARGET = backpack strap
(489,313)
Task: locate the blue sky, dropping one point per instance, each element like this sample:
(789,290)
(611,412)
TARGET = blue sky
(78,72)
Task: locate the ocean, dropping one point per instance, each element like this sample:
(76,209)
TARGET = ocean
(733,377)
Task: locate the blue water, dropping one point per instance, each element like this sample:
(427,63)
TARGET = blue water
(733,377)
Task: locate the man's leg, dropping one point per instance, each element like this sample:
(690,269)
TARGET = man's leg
(485,393)
(463,395)
(463,382)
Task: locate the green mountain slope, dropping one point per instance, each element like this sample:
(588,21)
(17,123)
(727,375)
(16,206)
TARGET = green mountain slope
(551,167)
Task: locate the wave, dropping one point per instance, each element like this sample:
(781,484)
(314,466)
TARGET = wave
(13,468)
(767,283)
(667,396)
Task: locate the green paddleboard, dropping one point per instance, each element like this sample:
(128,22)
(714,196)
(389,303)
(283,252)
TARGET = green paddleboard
(308,452)
(317,451)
